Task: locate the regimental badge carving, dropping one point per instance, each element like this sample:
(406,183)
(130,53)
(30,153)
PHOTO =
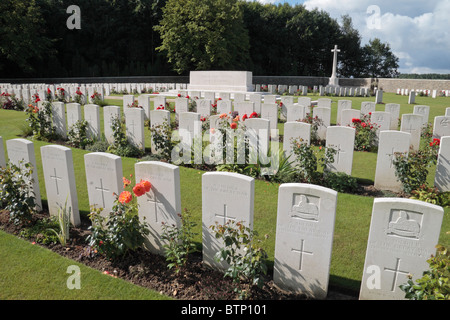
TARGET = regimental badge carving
(304,209)
(402,224)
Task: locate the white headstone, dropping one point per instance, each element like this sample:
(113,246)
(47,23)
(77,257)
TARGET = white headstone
(109,113)
(144,102)
(181,105)
(134,123)
(379,96)
(162,204)
(270,98)
(324,103)
(224,106)
(204,107)
(447,111)
(347,115)
(60,183)
(381,120)
(441,127)
(256,98)
(424,111)
(238,97)
(73,114)
(412,97)
(295,112)
(258,130)
(59,118)
(324,114)
(342,139)
(304,238)
(394,110)
(367,107)
(286,101)
(390,142)
(128,100)
(342,105)
(442,177)
(23,150)
(304,101)
(270,112)
(158,102)
(225,196)
(92,116)
(402,237)
(295,131)
(104,178)
(190,126)
(412,123)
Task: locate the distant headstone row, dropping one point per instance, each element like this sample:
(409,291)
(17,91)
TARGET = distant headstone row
(412,93)
(403,233)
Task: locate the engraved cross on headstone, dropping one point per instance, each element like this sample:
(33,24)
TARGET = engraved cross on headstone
(391,157)
(103,190)
(301,252)
(224,216)
(153,199)
(338,152)
(56,178)
(396,272)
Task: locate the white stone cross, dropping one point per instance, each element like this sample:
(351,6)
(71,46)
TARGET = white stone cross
(335,51)
(396,272)
(301,252)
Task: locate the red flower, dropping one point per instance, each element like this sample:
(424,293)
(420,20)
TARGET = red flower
(356,120)
(139,190)
(253,115)
(202,119)
(125,197)
(146,185)
(244,117)
(233,125)
(364,124)
(179,95)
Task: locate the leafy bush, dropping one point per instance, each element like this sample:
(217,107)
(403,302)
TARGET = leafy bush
(161,140)
(16,192)
(98,146)
(340,181)
(77,135)
(365,135)
(308,160)
(179,241)
(246,259)
(412,169)
(41,122)
(435,282)
(120,231)
(121,145)
(431,195)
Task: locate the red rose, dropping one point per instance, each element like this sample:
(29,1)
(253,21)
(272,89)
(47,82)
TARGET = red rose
(233,125)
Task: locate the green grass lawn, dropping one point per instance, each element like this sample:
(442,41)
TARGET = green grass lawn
(352,218)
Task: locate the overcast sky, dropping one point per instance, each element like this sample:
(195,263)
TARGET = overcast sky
(418,31)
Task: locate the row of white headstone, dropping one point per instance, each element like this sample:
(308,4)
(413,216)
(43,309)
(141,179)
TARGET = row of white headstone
(26,92)
(413,92)
(403,233)
(340,137)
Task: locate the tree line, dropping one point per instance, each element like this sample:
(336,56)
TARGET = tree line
(173,37)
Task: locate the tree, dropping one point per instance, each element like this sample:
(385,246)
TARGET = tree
(379,60)
(21,41)
(351,57)
(204,35)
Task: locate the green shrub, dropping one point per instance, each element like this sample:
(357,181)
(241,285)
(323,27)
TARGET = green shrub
(435,282)
(340,181)
(77,135)
(246,259)
(179,241)
(16,192)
